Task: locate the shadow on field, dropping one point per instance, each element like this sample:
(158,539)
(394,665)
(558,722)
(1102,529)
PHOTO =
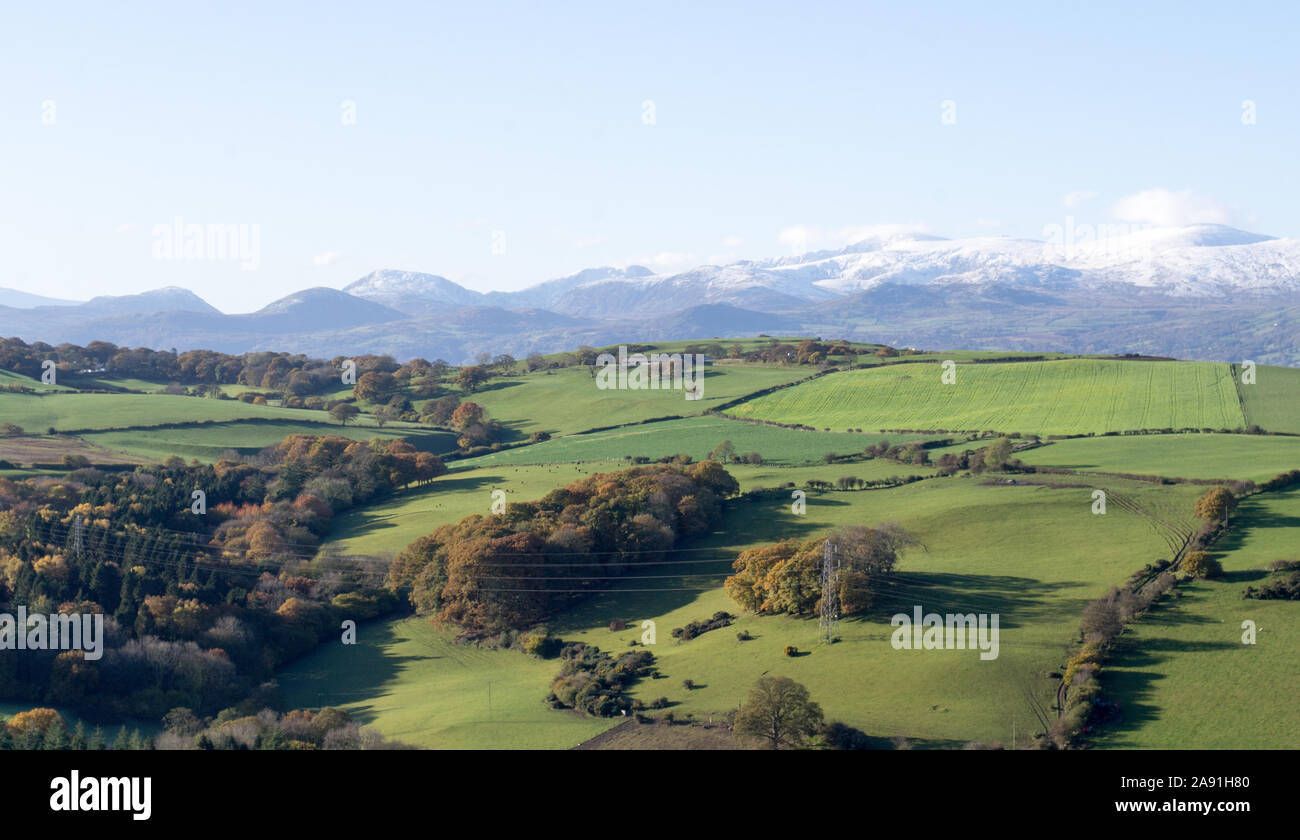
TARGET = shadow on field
(1252,513)
(362,523)
(696,566)
(1245,576)
(434,440)
(1257,519)
(337,674)
(511,432)
(1014,599)
(771,520)
(500,385)
(1137,649)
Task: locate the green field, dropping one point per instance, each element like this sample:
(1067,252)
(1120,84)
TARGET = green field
(1074,396)
(694,436)
(1183,676)
(1032,554)
(1254,457)
(1007,544)
(393,524)
(1273,402)
(415,684)
(74,412)
(567,400)
(10,378)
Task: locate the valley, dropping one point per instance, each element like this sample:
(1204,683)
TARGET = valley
(993,477)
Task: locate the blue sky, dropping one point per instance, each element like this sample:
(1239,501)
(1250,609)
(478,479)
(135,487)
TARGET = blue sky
(503,144)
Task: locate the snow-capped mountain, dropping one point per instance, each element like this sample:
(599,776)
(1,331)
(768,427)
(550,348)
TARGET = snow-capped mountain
(412,288)
(1201,260)
(551,293)
(1197,261)
(1201,292)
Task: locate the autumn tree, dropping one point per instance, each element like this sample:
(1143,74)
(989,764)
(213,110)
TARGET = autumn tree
(466,415)
(867,558)
(785,577)
(439,411)
(343,412)
(376,386)
(471,377)
(780,578)
(1215,504)
(1202,564)
(38,720)
(780,712)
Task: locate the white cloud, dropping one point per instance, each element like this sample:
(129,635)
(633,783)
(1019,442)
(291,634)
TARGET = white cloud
(125,227)
(988,223)
(667,261)
(799,238)
(327,258)
(1164,208)
(1077,197)
(732,242)
(589,242)
(802,238)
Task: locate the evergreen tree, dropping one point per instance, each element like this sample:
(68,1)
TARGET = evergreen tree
(79,740)
(55,738)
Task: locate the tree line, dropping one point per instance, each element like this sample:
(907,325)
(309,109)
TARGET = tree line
(201,604)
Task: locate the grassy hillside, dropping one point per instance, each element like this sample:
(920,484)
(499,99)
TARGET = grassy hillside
(10,378)
(51,450)
(1273,402)
(694,436)
(1255,457)
(486,699)
(567,400)
(1183,676)
(1074,396)
(1032,554)
(69,412)
(391,525)
(1026,547)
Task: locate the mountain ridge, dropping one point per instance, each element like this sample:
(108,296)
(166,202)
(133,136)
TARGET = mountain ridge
(1113,293)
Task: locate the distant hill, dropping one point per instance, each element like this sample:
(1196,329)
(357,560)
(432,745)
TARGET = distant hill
(1198,292)
(25,300)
